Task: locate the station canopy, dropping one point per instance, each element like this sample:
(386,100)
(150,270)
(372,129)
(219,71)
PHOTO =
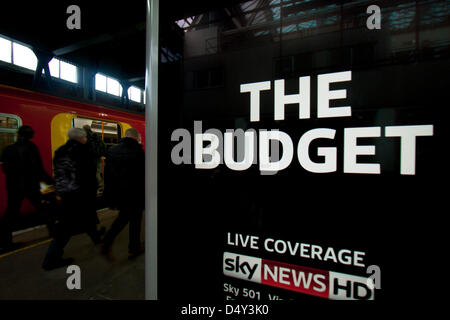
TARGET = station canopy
(112,36)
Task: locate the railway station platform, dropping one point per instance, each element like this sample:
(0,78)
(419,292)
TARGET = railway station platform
(22,277)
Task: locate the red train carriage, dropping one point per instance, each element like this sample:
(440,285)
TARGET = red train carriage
(51,118)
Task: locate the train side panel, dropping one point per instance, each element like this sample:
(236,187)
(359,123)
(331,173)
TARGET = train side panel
(51,117)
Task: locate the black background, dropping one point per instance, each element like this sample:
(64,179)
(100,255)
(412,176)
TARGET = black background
(397,220)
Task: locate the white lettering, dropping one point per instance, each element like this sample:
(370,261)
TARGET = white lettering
(352,150)
(255,89)
(408,136)
(302,98)
(324,95)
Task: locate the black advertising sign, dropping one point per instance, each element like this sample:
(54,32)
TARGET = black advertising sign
(300,150)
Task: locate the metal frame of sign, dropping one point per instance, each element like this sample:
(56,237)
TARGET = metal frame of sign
(151,154)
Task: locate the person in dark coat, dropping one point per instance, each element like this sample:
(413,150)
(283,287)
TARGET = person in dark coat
(74,180)
(125,188)
(98,150)
(24,171)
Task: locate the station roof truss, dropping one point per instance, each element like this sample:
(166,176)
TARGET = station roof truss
(112,37)
(296,19)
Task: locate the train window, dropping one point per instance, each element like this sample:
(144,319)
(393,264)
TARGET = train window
(6,122)
(108,131)
(9,124)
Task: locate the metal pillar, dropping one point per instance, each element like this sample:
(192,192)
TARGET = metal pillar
(88,84)
(124,99)
(43,59)
(151,151)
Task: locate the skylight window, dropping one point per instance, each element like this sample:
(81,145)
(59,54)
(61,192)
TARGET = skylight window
(307,24)
(24,57)
(5,50)
(68,72)
(134,94)
(108,85)
(62,70)
(100,82)
(113,87)
(402,17)
(184,23)
(53,65)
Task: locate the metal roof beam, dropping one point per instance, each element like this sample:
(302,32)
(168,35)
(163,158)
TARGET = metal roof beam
(99,39)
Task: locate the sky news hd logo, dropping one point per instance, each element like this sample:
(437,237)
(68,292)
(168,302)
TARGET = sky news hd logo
(316,282)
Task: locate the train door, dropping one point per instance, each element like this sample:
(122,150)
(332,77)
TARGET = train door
(104,134)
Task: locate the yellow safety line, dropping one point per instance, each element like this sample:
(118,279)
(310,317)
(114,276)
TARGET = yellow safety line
(25,248)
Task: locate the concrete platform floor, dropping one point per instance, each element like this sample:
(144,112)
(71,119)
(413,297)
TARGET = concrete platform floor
(22,278)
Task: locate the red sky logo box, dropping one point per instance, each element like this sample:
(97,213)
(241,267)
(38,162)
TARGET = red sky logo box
(316,282)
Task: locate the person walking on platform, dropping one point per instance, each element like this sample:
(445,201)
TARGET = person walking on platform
(124,188)
(74,180)
(24,171)
(98,150)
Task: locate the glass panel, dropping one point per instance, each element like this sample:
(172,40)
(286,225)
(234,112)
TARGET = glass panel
(24,57)
(68,72)
(5,50)
(113,87)
(81,122)
(100,82)
(134,94)
(108,131)
(8,123)
(54,67)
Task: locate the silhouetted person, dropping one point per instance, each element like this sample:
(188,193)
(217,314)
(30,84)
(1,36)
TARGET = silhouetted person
(98,150)
(24,171)
(124,188)
(74,180)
